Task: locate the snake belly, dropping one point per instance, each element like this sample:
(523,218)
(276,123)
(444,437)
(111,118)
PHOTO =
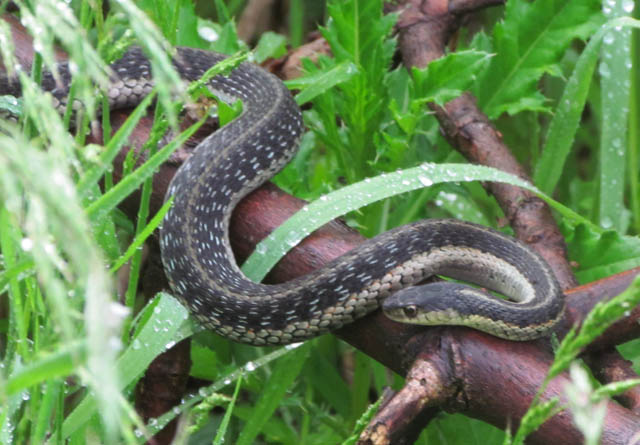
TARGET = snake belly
(242,155)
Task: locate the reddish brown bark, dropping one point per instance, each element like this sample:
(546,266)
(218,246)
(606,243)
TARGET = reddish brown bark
(255,19)
(451,368)
(468,371)
(462,364)
(424,29)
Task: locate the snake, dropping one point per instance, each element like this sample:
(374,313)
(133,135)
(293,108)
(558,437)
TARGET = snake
(386,271)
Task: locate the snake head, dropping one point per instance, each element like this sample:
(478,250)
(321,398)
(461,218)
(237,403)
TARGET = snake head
(428,304)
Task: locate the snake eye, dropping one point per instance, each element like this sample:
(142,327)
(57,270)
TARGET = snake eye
(410,311)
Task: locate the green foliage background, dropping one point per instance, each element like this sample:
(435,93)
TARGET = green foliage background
(559,78)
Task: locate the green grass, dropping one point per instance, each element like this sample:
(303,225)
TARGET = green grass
(71,354)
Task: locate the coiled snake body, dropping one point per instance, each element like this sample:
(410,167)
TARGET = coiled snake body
(242,155)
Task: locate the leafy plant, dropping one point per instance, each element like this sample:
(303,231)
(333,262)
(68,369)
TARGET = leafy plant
(71,354)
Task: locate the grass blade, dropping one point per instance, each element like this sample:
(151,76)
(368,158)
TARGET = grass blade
(222,430)
(615,69)
(126,186)
(191,400)
(284,373)
(166,323)
(60,363)
(354,196)
(566,118)
(91,177)
(142,236)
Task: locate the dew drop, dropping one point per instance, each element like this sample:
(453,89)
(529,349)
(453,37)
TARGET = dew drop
(608,38)
(293,239)
(427,166)
(208,34)
(261,249)
(26,244)
(451,197)
(425,181)
(115,343)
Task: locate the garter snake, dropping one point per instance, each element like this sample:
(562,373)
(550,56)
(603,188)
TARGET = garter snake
(242,155)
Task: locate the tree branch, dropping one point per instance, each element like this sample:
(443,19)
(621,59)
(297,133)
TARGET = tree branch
(452,368)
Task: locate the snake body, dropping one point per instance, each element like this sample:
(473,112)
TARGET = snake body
(242,155)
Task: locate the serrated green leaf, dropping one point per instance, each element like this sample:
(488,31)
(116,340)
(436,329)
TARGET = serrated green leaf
(356,28)
(318,82)
(347,118)
(457,429)
(358,32)
(447,77)
(528,44)
(270,45)
(188,26)
(227,41)
(603,254)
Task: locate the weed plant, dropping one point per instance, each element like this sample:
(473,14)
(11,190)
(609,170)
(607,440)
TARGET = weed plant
(558,77)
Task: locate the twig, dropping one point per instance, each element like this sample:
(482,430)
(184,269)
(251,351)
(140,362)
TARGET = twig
(424,30)
(472,384)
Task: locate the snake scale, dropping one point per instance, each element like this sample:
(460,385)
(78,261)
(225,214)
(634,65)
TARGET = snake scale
(242,155)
